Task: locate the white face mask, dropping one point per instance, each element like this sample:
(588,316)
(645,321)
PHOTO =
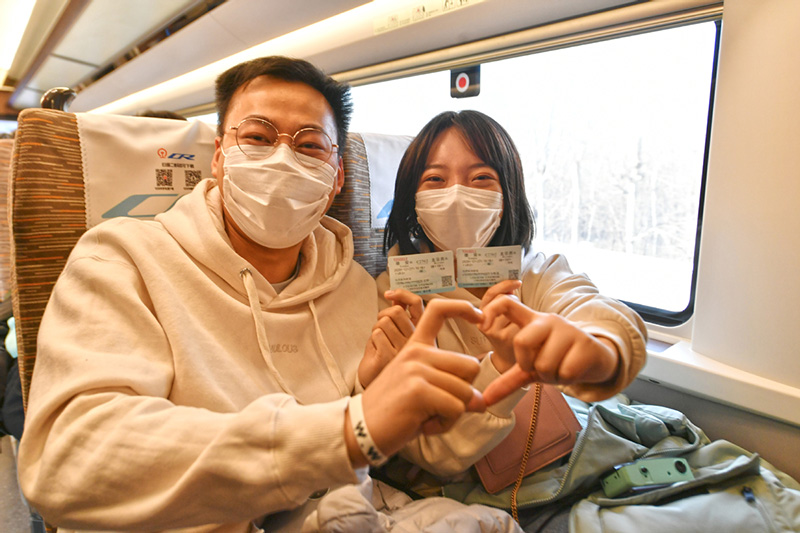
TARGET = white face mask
(459,216)
(276,201)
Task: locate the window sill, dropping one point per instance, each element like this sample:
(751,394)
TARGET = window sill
(679,367)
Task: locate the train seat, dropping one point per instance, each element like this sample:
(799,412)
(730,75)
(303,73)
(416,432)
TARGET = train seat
(370,165)
(69,172)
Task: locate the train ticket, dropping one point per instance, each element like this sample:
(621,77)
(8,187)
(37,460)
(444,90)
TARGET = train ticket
(483,267)
(422,273)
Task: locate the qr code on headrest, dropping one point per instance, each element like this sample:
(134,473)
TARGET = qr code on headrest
(163,177)
(192,177)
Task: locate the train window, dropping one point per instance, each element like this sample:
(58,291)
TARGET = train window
(613,137)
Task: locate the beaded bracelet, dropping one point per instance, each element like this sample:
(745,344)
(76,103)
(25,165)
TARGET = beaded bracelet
(374,456)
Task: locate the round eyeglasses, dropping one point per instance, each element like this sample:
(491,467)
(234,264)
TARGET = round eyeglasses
(258,139)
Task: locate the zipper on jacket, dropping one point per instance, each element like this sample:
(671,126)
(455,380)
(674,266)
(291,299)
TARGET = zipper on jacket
(750,497)
(579,444)
(573,457)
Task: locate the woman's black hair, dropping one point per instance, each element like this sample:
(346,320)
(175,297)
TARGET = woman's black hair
(288,69)
(492,144)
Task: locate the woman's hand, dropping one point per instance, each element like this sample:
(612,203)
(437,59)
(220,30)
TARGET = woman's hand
(390,333)
(548,349)
(500,330)
(423,389)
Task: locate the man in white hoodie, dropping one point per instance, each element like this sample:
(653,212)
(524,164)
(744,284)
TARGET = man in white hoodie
(200,371)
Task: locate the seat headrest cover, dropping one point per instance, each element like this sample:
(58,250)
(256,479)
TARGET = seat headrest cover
(6,147)
(140,166)
(384,153)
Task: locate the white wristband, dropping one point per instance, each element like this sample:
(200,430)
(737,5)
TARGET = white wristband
(374,456)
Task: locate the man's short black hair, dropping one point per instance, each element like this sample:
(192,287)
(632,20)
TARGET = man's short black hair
(289,69)
(159,113)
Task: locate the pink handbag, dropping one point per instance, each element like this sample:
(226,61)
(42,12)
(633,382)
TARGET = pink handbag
(545,430)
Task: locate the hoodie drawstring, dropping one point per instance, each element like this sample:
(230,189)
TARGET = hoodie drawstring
(330,362)
(263,341)
(261,333)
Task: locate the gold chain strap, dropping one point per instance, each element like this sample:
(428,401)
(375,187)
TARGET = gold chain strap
(528,444)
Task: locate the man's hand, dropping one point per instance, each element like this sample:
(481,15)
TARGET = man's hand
(423,389)
(548,349)
(390,333)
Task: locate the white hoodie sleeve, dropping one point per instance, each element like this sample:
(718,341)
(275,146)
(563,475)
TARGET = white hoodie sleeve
(550,286)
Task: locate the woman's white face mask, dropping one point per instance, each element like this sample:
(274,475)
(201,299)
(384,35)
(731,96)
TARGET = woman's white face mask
(459,216)
(276,201)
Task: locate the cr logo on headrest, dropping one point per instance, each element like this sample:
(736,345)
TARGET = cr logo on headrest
(163,154)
